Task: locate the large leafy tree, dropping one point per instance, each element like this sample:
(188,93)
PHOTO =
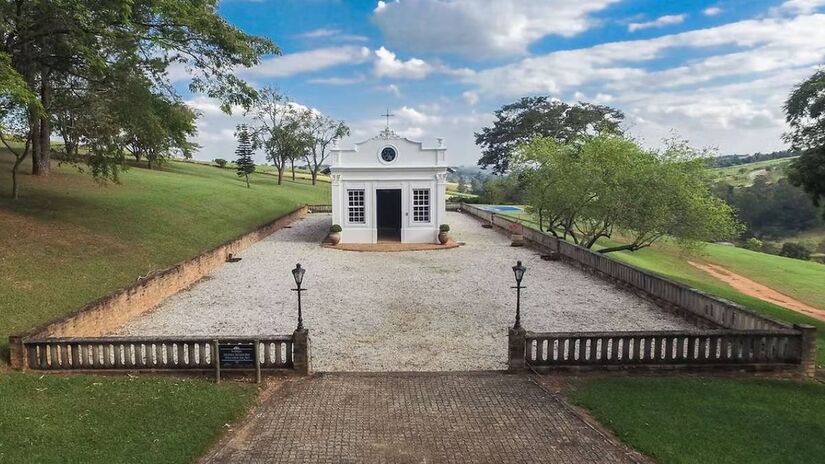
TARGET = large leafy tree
(607,183)
(531,117)
(805,113)
(281,129)
(94,46)
(323,131)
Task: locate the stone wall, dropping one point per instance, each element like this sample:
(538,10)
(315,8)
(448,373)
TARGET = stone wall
(107,314)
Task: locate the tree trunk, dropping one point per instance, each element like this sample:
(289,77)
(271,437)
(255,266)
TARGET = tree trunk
(280,175)
(314,176)
(246,176)
(292,162)
(41,160)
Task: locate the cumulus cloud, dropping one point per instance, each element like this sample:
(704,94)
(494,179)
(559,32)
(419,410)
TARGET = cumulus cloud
(661,21)
(307,61)
(481,28)
(731,97)
(711,11)
(799,6)
(387,64)
(470,97)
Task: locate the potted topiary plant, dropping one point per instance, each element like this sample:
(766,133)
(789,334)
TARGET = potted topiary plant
(443,236)
(335,234)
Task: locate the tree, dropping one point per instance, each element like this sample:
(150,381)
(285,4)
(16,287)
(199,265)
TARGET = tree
(602,184)
(281,129)
(324,131)
(244,161)
(532,117)
(68,46)
(805,113)
(220,162)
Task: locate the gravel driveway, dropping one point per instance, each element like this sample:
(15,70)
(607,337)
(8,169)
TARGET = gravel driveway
(401,311)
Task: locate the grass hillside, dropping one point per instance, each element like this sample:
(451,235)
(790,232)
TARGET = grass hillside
(69,239)
(743,175)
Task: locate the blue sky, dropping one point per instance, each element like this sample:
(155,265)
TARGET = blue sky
(713,72)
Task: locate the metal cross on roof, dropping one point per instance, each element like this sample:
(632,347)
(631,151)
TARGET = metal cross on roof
(388,115)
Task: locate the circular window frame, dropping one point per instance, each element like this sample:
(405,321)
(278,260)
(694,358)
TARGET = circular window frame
(381,150)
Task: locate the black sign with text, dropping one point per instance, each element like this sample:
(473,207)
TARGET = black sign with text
(236,354)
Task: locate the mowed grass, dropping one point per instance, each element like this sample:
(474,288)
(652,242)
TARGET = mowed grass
(702,420)
(70,240)
(90,419)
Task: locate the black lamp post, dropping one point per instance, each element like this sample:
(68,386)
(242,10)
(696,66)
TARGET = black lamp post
(518,270)
(298,274)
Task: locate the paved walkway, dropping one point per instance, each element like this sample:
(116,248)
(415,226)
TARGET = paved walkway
(416,418)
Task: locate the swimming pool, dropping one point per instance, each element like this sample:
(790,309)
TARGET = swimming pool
(503,208)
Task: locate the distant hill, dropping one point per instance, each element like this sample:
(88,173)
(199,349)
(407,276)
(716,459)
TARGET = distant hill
(735,160)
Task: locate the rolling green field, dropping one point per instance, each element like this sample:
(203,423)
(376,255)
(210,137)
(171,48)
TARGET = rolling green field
(743,174)
(702,420)
(69,240)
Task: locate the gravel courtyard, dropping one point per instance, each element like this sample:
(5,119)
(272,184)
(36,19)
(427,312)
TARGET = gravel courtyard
(401,311)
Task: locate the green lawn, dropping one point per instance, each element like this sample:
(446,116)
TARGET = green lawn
(90,419)
(70,240)
(699,420)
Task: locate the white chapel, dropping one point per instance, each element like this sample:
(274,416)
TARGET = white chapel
(389,188)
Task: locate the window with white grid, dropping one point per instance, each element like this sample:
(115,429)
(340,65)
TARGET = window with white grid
(355,206)
(421,205)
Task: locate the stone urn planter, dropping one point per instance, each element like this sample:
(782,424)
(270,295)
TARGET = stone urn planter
(334,234)
(443,234)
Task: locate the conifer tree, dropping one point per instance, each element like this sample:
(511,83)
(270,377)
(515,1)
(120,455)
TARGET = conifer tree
(245,163)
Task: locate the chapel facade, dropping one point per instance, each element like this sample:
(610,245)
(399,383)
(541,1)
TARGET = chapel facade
(389,188)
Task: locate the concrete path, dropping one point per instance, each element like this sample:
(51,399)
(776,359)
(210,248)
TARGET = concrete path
(415,418)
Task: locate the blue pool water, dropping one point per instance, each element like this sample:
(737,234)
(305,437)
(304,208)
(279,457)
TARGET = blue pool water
(503,209)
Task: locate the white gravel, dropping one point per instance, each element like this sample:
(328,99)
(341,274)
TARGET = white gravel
(401,311)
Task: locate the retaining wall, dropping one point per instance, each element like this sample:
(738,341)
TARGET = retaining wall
(105,315)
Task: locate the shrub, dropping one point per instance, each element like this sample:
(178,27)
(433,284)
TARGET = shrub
(335,228)
(795,250)
(444,228)
(220,162)
(754,244)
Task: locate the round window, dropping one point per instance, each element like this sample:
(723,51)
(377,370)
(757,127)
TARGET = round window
(388,154)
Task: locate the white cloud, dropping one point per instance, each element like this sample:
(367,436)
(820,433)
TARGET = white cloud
(712,11)
(388,65)
(391,89)
(307,61)
(338,80)
(733,98)
(799,6)
(481,28)
(661,21)
(470,97)
(331,34)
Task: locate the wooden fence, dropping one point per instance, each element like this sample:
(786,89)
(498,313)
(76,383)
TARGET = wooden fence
(714,347)
(150,353)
